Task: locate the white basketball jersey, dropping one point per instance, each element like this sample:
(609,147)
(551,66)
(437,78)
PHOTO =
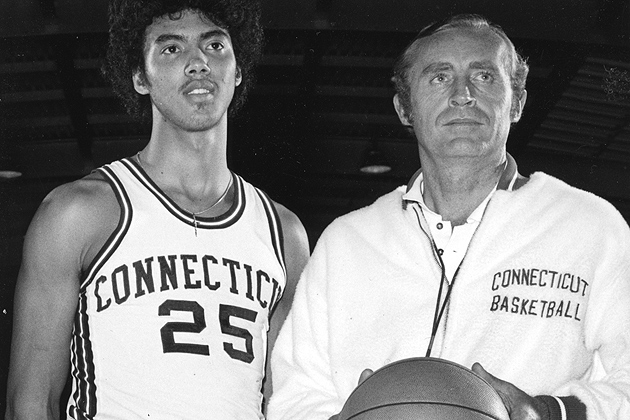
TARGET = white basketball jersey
(171,325)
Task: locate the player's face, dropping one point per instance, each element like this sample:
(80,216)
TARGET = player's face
(190,71)
(461,94)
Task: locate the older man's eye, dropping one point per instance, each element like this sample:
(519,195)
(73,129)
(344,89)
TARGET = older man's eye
(439,78)
(485,77)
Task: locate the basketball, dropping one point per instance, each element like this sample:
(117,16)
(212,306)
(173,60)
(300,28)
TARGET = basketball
(424,388)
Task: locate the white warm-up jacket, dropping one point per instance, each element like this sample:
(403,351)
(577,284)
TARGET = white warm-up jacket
(542,300)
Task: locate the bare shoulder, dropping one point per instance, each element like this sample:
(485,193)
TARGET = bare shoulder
(89,188)
(289,220)
(80,214)
(296,246)
(79,201)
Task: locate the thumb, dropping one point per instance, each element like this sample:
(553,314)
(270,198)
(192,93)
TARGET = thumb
(364,375)
(487,376)
(519,404)
(498,385)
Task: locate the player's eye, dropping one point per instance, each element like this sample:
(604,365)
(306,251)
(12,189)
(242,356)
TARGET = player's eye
(171,49)
(216,45)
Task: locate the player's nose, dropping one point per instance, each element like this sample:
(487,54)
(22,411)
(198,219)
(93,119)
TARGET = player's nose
(197,65)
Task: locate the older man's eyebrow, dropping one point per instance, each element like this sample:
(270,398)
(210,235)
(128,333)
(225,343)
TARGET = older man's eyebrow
(436,67)
(483,65)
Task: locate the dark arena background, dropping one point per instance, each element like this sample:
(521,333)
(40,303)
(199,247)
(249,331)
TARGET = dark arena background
(321,105)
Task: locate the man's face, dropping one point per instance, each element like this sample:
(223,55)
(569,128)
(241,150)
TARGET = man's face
(190,71)
(461,94)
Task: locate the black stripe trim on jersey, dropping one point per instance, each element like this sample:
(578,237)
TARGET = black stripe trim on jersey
(124,222)
(222,221)
(238,205)
(277,237)
(83,400)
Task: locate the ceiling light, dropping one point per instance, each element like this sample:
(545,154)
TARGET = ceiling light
(374,162)
(10,174)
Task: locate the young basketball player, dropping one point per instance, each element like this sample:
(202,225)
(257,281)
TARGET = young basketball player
(153,280)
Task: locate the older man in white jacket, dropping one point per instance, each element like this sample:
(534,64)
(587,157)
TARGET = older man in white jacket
(533,275)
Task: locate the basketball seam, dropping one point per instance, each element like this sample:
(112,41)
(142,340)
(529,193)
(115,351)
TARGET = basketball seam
(424,402)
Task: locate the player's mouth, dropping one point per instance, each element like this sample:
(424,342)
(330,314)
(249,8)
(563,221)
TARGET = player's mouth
(198,88)
(199,92)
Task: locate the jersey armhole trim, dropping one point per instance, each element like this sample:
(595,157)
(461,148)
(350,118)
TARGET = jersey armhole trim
(275,230)
(112,243)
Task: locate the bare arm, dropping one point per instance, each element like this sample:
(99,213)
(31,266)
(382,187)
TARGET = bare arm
(296,250)
(55,250)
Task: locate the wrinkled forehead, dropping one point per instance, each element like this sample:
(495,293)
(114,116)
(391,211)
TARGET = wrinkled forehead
(459,46)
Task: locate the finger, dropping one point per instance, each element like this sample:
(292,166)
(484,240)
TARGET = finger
(364,375)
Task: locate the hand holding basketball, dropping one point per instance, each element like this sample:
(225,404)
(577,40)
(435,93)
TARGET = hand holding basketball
(423,388)
(364,375)
(520,405)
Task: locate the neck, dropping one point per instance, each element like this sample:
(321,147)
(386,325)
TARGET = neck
(190,167)
(455,190)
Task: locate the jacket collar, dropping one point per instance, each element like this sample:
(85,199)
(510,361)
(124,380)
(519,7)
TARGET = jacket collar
(510,178)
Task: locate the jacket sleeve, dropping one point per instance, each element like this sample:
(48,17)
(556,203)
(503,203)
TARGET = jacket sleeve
(300,362)
(605,389)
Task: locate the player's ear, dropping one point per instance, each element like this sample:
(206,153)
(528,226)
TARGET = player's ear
(238,77)
(140,82)
(400,110)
